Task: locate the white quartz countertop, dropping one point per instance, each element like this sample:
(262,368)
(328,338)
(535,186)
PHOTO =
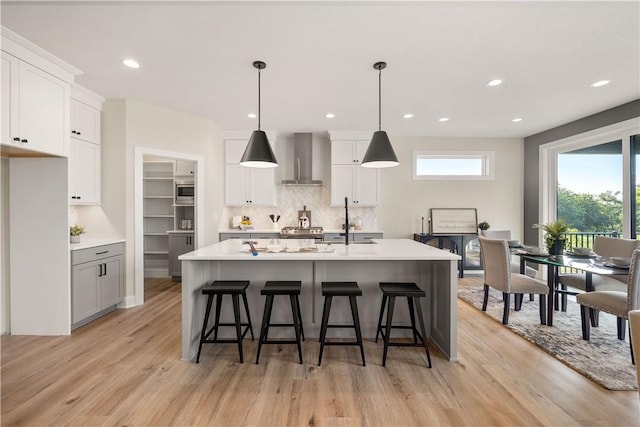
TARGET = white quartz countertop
(277,231)
(92,243)
(382,249)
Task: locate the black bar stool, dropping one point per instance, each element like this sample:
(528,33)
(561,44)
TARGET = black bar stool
(340,289)
(271,289)
(219,288)
(391,290)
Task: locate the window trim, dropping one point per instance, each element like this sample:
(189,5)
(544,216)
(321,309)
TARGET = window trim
(487,157)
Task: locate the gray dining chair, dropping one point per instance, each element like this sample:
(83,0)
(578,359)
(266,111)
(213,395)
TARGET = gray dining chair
(515,265)
(613,302)
(497,275)
(605,247)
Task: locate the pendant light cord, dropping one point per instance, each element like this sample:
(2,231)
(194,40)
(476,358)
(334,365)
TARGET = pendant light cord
(380,99)
(258,98)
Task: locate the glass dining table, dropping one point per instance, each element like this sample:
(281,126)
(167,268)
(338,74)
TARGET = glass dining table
(590,265)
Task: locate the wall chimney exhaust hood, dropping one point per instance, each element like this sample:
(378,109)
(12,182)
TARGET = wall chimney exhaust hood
(302,161)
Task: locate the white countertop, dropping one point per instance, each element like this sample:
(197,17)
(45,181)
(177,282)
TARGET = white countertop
(382,249)
(277,230)
(92,243)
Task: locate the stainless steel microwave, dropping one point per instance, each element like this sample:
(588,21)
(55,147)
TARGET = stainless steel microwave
(185,193)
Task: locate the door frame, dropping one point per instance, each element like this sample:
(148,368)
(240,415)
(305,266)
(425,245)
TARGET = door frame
(138,208)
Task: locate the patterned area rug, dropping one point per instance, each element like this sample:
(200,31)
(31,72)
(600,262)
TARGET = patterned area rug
(603,359)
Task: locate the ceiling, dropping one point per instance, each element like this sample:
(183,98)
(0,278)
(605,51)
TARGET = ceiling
(197,56)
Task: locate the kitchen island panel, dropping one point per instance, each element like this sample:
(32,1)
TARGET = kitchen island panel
(433,270)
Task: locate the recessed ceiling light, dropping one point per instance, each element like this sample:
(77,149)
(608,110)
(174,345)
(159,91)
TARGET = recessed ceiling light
(408,116)
(517,119)
(443,119)
(494,82)
(251,115)
(600,83)
(131,63)
(329,115)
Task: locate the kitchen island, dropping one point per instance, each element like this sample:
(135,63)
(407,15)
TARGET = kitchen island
(392,260)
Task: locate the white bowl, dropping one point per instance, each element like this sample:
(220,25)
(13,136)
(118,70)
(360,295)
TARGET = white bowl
(621,261)
(582,251)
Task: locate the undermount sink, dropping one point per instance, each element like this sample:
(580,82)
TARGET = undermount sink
(358,242)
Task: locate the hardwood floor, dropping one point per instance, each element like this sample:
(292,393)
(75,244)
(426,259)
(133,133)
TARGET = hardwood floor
(125,369)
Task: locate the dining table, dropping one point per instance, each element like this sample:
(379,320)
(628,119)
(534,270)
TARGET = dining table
(589,264)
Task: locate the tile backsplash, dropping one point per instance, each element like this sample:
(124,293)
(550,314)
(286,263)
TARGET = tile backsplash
(291,200)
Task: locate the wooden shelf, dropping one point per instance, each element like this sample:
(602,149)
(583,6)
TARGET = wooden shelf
(158,216)
(155,233)
(156,252)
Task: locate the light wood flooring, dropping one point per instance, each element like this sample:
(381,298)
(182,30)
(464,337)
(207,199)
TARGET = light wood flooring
(125,369)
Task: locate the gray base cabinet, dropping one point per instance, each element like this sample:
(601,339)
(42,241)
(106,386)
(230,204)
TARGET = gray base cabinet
(179,243)
(353,237)
(97,282)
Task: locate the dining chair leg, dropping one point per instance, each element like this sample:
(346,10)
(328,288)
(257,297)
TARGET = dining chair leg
(585,321)
(518,301)
(505,311)
(622,323)
(543,309)
(633,359)
(485,298)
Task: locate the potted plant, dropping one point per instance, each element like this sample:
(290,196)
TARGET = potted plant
(484,225)
(75,231)
(554,235)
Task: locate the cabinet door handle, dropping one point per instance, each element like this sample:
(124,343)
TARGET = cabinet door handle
(73,131)
(100,270)
(78,133)
(24,140)
(16,139)
(105,269)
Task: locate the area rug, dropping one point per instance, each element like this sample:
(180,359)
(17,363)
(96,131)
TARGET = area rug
(603,359)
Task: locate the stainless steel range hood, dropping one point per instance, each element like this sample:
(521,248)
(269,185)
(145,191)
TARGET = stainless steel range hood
(302,161)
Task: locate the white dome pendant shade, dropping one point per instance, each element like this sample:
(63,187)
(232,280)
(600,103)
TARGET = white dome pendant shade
(258,153)
(380,153)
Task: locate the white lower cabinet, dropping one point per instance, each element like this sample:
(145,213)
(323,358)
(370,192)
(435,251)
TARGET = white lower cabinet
(97,282)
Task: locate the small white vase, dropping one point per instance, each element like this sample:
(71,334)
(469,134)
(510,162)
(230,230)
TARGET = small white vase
(75,239)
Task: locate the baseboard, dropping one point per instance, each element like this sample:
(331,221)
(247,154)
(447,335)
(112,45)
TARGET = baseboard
(128,302)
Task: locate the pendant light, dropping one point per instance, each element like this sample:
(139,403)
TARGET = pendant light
(380,153)
(258,153)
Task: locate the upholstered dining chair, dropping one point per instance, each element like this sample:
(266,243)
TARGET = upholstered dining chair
(497,274)
(606,247)
(613,302)
(634,326)
(515,265)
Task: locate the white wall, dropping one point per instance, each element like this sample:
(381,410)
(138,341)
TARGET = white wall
(128,124)
(498,201)
(5,309)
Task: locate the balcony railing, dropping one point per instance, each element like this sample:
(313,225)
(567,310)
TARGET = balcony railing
(584,239)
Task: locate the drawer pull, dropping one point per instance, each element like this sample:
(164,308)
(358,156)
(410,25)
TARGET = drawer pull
(102,253)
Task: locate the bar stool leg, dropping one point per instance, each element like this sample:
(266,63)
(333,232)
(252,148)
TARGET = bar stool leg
(296,324)
(325,321)
(413,319)
(204,325)
(356,324)
(236,315)
(379,328)
(424,335)
(217,322)
(387,332)
(299,317)
(266,318)
(246,308)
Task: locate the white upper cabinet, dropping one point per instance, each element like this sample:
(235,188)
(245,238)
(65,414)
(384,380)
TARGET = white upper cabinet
(85,122)
(245,186)
(348,152)
(35,115)
(85,154)
(348,177)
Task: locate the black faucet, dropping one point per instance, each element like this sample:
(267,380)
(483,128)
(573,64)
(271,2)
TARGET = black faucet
(346,222)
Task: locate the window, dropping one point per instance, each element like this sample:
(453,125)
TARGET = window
(450,165)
